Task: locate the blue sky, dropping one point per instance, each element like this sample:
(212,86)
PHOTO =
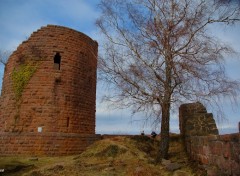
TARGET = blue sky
(19,18)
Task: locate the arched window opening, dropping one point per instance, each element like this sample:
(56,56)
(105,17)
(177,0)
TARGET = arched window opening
(57,61)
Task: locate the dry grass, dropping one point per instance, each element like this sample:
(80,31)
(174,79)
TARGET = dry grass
(119,156)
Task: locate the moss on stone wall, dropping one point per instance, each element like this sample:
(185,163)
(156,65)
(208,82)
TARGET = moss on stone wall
(21,77)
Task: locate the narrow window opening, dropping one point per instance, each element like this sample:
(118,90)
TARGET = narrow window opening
(68,122)
(57,61)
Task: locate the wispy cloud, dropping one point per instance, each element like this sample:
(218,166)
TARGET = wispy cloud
(20,18)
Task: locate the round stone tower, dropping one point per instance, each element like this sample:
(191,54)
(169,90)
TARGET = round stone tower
(49,84)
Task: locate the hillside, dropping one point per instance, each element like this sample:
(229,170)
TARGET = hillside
(126,156)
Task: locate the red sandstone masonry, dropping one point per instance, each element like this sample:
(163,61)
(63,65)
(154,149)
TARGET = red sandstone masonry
(60,101)
(221,152)
(45,144)
(57,100)
(194,120)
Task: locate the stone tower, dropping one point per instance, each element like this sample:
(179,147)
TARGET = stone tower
(49,84)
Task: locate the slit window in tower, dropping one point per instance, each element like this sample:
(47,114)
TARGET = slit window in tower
(68,122)
(57,61)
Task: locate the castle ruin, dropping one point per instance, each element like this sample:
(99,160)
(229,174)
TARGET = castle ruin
(48,99)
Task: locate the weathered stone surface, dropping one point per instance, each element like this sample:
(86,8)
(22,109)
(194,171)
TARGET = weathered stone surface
(60,95)
(195,121)
(218,153)
(58,99)
(45,144)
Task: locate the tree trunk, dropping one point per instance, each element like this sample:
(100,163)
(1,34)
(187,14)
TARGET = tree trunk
(164,143)
(165,105)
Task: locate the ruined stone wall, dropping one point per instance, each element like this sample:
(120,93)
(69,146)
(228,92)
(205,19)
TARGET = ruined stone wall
(219,154)
(60,95)
(45,144)
(194,120)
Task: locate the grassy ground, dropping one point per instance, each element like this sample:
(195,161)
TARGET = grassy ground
(119,156)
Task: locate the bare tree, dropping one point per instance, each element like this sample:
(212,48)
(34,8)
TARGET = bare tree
(159,53)
(4,55)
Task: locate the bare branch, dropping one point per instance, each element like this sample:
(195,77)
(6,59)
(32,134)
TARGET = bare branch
(4,55)
(158,53)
